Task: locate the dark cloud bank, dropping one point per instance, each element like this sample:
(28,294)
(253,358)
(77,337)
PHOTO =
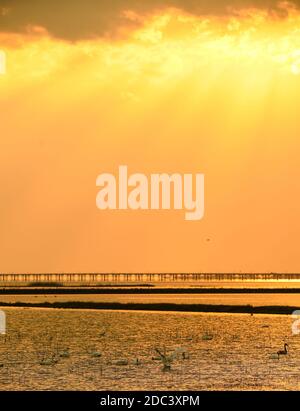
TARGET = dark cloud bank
(81,19)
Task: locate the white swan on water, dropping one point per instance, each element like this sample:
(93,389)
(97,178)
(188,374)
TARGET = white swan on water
(179,352)
(96,354)
(64,353)
(49,361)
(166,360)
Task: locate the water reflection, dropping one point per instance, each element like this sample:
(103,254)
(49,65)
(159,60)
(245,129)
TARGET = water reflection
(55,350)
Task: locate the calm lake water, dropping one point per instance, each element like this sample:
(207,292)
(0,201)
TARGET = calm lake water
(236,357)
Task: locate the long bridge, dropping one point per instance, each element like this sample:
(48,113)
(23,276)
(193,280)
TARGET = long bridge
(141,278)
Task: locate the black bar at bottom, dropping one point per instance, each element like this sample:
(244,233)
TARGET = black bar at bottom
(136,399)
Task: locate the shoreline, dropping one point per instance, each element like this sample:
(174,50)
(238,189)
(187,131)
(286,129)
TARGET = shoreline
(148,290)
(201,308)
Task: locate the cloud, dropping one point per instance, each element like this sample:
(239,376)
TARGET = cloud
(77,20)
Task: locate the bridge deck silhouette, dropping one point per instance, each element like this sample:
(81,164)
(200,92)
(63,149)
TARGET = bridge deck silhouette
(94,278)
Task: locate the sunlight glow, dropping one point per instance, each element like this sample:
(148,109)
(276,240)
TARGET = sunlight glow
(172,44)
(2,62)
(215,94)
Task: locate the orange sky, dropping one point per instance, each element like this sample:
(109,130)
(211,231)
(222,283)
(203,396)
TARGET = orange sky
(177,92)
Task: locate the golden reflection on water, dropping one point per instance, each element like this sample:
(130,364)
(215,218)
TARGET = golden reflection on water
(48,349)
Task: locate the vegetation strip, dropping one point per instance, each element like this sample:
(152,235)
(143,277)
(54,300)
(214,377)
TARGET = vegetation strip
(208,308)
(100,290)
